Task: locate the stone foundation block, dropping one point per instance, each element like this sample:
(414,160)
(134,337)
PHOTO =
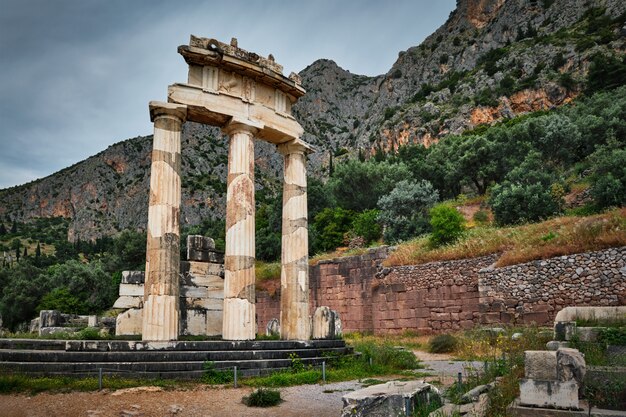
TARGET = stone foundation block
(129,322)
(549,394)
(390,399)
(126,301)
(133,277)
(132,290)
(540,365)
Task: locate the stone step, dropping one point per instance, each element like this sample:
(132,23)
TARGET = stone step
(185,369)
(160,356)
(38,344)
(135,359)
(135,345)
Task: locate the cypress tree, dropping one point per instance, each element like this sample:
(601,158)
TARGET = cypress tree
(3,230)
(25,252)
(14,227)
(38,251)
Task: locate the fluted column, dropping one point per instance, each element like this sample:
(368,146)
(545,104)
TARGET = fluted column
(239,321)
(294,275)
(161,291)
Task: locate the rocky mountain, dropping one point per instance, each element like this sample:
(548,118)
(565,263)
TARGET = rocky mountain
(491,60)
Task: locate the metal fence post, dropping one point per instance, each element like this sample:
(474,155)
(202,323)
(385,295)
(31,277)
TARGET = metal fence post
(235,372)
(324,371)
(100,379)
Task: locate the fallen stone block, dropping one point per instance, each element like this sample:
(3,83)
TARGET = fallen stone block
(555,345)
(272,328)
(49,318)
(48,331)
(324,323)
(540,365)
(570,365)
(549,394)
(393,398)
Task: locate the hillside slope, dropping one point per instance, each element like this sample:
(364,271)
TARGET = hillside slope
(492,59)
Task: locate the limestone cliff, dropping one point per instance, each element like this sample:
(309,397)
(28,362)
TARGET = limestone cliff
(492,59)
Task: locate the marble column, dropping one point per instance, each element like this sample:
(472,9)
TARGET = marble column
(161,292)
(239,320)
(294,276)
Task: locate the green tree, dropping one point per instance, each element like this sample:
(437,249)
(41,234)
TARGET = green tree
(608,181)
(358,185)
(14,227)
(366,225)
(22,289)
(526,195)
(38,251)
(404,211)
(447,223)
(329,227)
(3,230)
(61,299)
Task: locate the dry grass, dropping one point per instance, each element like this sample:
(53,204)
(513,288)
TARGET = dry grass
(519,244)
(337,253)
(408,339)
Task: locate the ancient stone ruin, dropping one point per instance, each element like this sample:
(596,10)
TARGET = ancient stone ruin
(201,289)
(249,98)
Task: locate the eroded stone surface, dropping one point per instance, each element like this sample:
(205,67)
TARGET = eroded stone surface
(549,394)
(389,399)
(161,290)
(540,365)
(294,278)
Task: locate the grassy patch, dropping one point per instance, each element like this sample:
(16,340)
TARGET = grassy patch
(408,339)
(14,383)
(263,398)
(524,243)
(266,271)
(386,359)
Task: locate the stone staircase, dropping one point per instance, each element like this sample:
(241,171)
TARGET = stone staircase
(181,359)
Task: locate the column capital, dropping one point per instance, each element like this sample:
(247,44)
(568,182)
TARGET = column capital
(295,146)
(159,109)
(238,125)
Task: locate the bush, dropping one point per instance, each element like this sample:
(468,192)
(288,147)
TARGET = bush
(447,224)
(403,211)
(263,397)
(443,343)
(481,217)
(608,182)
(366,225)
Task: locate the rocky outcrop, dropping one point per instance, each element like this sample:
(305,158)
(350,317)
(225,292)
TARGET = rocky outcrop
(491,60)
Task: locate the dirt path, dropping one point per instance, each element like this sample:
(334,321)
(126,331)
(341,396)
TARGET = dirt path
(299,401)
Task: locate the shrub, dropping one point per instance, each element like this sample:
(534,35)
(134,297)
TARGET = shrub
(608,182)
(481,217)
(404,210)
(447,224)
(263,397)
(366,225)
(443,343)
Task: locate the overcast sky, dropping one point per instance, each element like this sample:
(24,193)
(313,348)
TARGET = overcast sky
(76,75)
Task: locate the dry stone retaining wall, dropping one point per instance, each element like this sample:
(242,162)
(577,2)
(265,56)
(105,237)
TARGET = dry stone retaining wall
(536,291)
(459,294)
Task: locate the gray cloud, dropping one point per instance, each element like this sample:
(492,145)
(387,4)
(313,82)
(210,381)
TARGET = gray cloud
(76,76)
